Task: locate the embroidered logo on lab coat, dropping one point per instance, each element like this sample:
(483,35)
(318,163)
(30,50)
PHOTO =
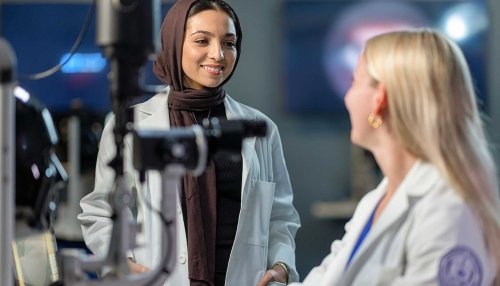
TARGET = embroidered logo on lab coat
(460,266)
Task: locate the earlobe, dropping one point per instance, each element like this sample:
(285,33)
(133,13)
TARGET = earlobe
(375,121)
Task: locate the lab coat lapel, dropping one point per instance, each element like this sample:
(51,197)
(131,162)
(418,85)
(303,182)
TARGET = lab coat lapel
(152,114)
(158,119)
(417,182)
(158,113)
(395,212)
(353,230)
(233,112)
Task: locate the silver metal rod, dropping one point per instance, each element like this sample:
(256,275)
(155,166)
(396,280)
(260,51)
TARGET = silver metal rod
(74,194)
(7,156)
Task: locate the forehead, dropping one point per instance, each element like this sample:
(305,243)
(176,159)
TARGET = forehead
(212,21)
(361,69)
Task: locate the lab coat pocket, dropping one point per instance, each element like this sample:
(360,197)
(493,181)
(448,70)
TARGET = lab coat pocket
(257,206)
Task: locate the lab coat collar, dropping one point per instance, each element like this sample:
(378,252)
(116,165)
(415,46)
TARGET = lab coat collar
(158,109)
(419,181)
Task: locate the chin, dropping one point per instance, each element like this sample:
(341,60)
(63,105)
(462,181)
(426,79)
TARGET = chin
(353,138)
(212,84)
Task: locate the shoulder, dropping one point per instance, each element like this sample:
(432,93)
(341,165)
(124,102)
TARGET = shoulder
(440,206)
(445,231)
(447,217)
(141,111)
(430,194)
(152,105)
(444,204)
(445,224)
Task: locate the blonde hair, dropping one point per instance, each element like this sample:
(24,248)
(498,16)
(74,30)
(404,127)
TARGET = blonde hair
(433,112)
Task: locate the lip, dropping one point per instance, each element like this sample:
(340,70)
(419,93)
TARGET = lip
(213,69)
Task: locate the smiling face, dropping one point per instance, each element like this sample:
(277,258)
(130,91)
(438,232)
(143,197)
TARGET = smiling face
(209,49)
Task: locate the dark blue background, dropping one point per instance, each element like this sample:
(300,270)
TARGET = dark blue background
(40,34)
(305,25)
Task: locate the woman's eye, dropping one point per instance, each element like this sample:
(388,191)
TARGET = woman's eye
(201,41)
(231,44)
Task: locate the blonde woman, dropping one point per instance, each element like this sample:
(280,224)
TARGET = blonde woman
(434,219)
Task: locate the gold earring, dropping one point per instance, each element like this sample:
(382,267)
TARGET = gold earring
(375,121)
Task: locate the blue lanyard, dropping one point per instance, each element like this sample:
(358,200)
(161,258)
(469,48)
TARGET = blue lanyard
(363,235)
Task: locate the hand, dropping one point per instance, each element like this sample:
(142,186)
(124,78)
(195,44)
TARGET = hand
(136,268)
(277,274)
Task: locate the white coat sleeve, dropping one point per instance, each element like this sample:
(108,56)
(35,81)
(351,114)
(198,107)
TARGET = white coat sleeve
(334,262)
(317,274)
(285,219)
(96,210)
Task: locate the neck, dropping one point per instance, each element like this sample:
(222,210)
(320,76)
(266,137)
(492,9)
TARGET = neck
(395,163)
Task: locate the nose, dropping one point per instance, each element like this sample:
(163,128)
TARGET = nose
(216,52)
(346,100)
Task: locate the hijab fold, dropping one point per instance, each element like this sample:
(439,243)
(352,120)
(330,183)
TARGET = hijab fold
(198,194)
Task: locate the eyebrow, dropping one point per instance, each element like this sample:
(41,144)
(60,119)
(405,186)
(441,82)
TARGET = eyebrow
(212,34)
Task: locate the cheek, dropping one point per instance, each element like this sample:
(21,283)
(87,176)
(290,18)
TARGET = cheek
(357,108)
(185,59)
(348,99)
(230,61)
(190,56)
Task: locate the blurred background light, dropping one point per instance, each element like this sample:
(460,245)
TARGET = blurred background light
(464,20)
(356,24)
(83,63)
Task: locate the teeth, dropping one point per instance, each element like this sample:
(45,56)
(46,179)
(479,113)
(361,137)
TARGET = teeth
(213,69)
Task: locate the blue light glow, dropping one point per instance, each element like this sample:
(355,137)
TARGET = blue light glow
(83,63)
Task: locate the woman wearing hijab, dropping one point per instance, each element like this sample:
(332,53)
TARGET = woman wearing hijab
(435,217)
(236,222)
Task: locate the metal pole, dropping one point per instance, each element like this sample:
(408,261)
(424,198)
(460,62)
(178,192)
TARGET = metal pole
(7,152)
(67,226)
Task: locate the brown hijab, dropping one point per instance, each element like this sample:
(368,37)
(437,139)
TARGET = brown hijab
(199,193)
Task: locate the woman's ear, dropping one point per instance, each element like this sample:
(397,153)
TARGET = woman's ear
(379,99)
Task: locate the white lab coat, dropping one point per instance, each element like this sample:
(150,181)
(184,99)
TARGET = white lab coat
(267,221)
(425,235)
